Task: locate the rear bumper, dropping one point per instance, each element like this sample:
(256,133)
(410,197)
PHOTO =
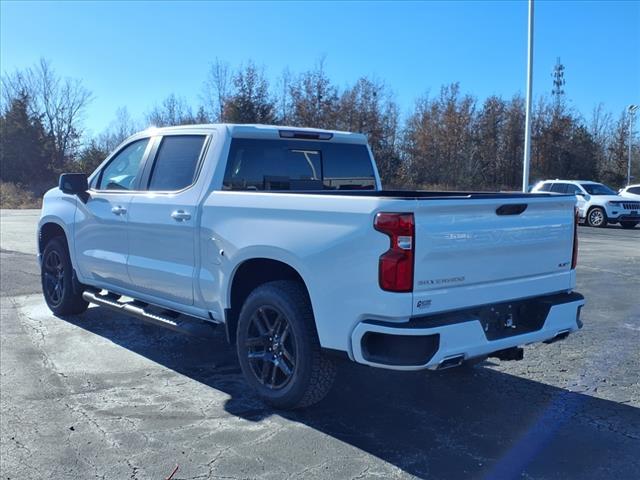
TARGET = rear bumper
(426,342)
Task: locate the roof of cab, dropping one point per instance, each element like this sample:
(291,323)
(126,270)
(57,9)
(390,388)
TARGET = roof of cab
(262,131)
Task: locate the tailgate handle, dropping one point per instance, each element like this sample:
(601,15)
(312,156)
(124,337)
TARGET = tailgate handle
(511,209)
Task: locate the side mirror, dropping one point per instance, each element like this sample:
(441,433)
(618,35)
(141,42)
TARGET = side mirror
(73,183)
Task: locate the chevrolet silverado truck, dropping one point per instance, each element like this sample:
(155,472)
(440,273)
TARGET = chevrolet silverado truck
(285,238)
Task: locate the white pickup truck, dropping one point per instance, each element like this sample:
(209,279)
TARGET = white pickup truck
(285,236)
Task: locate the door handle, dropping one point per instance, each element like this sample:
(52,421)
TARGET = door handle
(118,210)
(180,215)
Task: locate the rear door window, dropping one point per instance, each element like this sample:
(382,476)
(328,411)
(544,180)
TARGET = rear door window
(546,187)
(559,188)
(256,164)
(574,189)
(176,162)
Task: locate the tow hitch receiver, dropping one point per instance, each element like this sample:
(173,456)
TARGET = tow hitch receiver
(513,353)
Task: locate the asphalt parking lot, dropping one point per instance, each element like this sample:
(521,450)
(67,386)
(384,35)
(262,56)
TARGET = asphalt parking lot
(106,396)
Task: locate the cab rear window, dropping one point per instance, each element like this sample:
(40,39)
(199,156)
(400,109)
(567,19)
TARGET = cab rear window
(256,164)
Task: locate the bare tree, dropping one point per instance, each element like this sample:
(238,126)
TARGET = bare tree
(119,129)
(59,102)
(439,146)
(600,129)
(489,151)
(173,110)
(314,99)
(283,97)
(216,89)
(513,146)
(368,107)
(614,166)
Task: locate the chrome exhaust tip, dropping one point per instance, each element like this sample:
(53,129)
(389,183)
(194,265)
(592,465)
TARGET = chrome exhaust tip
(450,362)
(561,335)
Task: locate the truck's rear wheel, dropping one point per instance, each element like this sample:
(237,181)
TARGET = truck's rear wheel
(278,347)
(56,274)
(597,217)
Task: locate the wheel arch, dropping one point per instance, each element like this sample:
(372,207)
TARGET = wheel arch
(49,229)
(247,276)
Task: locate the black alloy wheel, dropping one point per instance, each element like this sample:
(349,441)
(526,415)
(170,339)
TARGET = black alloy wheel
(62,293)
(278,346)
(271,347)
(53,282)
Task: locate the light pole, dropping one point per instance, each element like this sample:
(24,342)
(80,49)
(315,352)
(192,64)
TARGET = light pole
(527,122)
(632,111)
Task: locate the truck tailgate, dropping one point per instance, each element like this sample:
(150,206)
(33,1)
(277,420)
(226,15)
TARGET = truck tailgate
(474,251)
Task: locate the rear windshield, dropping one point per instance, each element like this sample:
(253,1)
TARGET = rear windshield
(256,164)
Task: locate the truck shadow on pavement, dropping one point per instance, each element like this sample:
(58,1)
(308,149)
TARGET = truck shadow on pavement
(453,424)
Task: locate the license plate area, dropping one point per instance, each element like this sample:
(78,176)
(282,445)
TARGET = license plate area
(498,320)
(513,318)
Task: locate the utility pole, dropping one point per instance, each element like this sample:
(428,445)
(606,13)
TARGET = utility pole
(632,111)
(527,124)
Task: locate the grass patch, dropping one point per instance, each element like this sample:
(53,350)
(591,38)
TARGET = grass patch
(13,195)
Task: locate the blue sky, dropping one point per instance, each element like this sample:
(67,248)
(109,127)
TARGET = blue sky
(134,54)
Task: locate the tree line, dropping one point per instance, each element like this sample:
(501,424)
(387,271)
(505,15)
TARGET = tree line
(449,139)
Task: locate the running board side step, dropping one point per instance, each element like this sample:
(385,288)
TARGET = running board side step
(153,315)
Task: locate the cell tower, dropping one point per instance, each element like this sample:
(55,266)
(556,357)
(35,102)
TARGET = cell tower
(558,80)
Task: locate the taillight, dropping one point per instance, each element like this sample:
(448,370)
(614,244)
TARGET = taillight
(395,268)
(574,257)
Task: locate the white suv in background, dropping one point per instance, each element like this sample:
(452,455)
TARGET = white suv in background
(630,191)
(597,204)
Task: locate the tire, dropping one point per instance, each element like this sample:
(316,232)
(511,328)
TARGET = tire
(596,217)
(628,225)
(56,274)
(278,347)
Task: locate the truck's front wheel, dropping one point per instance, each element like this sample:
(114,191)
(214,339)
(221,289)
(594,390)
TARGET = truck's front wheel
(57,280)
(278,348)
